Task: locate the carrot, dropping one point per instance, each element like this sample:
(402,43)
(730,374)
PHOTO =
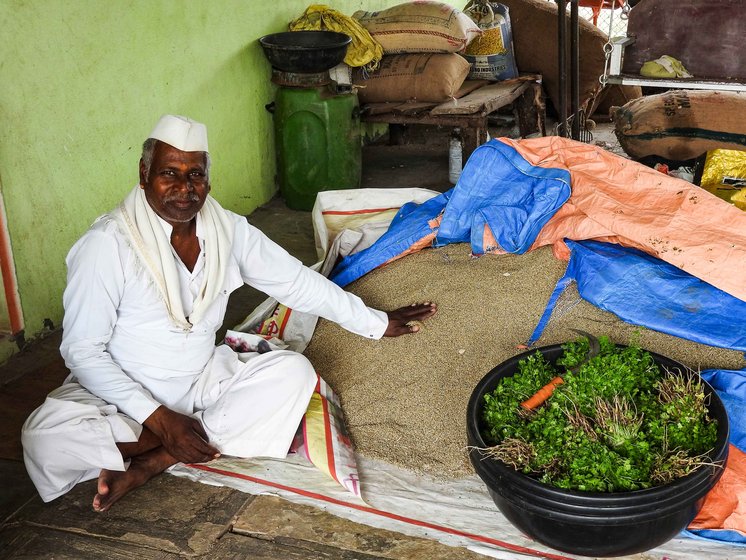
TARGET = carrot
(540,396)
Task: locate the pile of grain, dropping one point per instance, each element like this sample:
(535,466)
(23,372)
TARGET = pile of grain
(405,398)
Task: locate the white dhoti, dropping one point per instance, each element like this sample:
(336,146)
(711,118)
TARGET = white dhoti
(248,409)
(127,300)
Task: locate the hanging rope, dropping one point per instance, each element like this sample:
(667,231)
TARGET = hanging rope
(608,47)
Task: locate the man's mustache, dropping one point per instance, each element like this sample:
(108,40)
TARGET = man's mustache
(191,197)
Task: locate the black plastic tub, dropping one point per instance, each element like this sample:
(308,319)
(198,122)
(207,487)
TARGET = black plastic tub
(305,52)
(592,523)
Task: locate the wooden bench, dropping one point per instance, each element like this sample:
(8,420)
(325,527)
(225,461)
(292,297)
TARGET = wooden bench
(469,110)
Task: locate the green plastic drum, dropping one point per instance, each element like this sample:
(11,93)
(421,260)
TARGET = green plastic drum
(318,144)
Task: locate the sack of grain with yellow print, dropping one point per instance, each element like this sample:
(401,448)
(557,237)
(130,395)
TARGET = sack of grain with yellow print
(491,54)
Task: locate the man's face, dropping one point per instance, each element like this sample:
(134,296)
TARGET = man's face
(178,184)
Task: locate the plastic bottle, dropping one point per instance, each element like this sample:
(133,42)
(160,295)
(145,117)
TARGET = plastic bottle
(455,155)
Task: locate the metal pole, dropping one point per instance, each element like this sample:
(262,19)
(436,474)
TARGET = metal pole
(574,69)
(562,66)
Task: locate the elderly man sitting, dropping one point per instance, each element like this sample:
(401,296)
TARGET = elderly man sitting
(147,290)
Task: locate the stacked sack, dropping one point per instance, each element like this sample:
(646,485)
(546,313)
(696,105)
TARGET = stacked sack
(420,40)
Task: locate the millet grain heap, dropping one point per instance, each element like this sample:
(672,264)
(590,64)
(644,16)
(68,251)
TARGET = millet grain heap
(405,398)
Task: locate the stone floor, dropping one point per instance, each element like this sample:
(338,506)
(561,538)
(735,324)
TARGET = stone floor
(172,517)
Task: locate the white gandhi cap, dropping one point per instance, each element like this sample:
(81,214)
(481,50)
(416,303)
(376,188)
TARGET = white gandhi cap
(182,133)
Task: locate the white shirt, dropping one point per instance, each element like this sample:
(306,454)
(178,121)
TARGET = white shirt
(119,343)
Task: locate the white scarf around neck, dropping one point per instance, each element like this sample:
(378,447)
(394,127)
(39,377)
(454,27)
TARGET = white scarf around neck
(139,222)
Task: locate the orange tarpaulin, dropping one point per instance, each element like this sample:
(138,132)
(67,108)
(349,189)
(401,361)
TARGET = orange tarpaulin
(621,201)
(725,504)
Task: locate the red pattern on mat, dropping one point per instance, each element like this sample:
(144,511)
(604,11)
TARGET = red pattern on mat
(352,212)
(374,511)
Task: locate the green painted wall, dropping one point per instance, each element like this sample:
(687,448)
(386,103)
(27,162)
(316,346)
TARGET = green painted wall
(83,83)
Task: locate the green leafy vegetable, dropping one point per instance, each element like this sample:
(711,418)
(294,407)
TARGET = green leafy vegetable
(618,423)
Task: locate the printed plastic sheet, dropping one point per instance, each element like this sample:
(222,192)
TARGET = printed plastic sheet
(457,512)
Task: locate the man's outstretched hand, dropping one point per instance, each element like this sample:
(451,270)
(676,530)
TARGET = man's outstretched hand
(182,436)
(401,320)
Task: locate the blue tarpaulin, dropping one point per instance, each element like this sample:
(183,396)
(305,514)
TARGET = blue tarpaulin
(730,386)
(500,190)
(411,223)
(643,290)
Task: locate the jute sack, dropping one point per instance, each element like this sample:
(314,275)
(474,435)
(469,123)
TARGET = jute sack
(681,124)
(421,77)
(613,95)
(416,27)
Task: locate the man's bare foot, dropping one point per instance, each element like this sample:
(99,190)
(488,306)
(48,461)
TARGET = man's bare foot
(112,485)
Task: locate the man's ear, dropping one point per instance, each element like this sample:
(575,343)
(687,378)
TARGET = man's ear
(142,173)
